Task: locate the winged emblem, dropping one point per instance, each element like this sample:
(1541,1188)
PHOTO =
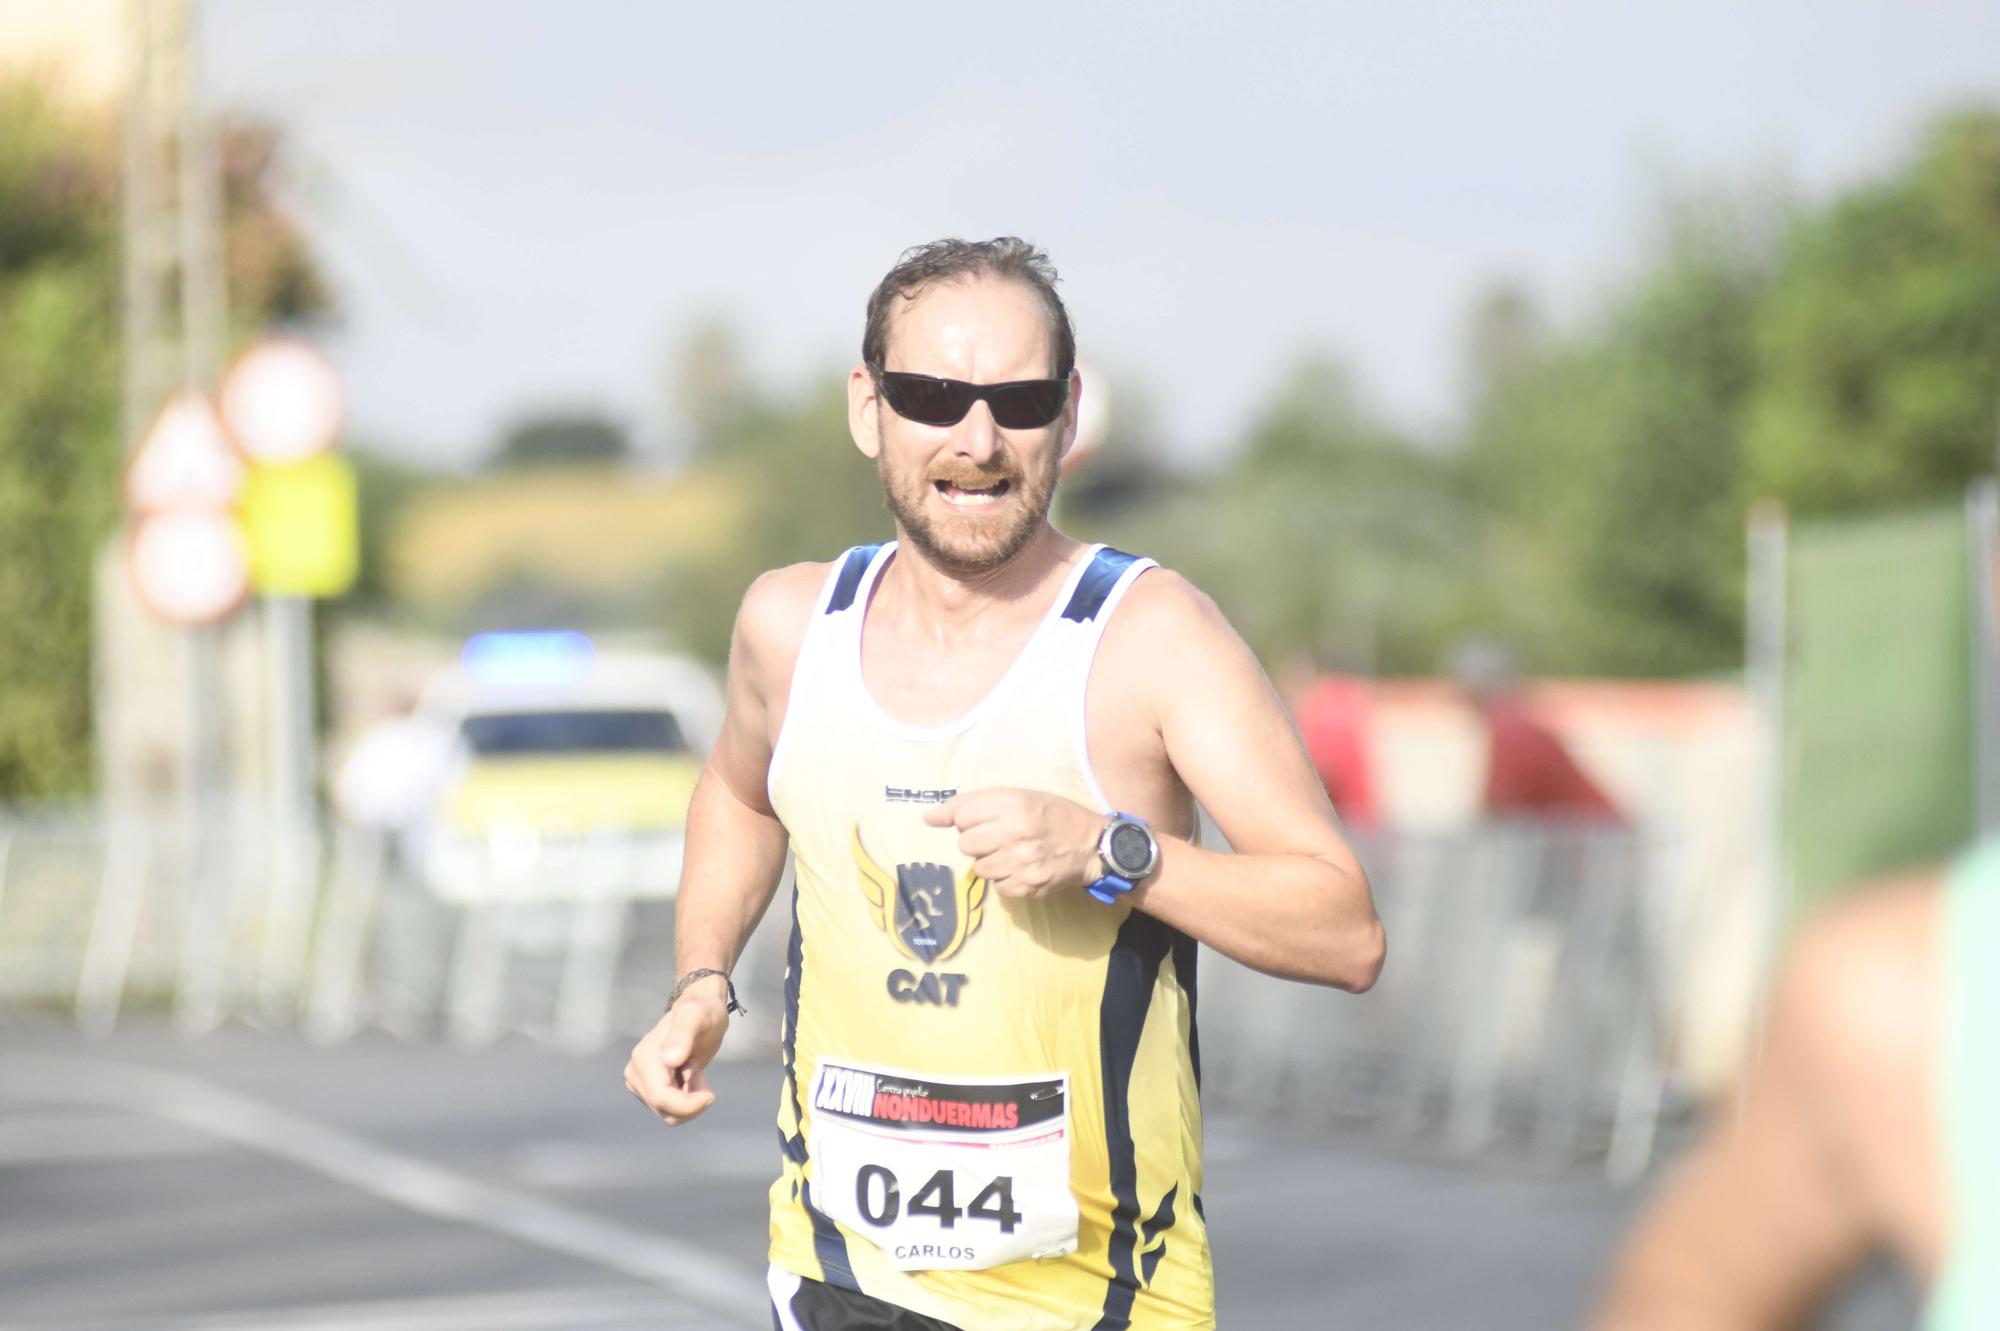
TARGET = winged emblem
(926,911)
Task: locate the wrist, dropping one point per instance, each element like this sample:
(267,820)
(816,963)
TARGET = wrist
(1090,864)
(707,984)
(1126,855)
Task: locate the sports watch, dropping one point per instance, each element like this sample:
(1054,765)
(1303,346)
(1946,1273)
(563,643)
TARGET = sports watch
(1127,850)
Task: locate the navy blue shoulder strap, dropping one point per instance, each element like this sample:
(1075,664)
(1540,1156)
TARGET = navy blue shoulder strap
(852,571)
(1106,567)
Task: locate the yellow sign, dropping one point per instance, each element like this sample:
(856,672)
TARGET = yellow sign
(302,522)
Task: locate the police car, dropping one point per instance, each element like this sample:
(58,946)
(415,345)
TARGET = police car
(570,769)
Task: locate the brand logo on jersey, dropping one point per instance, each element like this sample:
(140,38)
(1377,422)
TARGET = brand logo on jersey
(927,913)
(910,795)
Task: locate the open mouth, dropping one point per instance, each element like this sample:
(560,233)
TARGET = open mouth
(970,496)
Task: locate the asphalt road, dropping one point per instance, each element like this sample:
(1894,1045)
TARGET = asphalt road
(254,1180)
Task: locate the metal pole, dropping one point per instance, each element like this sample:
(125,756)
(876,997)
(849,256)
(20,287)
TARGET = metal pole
(1764,675)
(141,287)
(203,331)
(294,819)
(1982,513)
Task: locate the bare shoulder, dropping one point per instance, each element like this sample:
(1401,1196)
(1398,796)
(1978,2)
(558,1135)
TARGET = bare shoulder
(1180,654)
(1163,599)
(1859,985)
(1166,617)
(771,622)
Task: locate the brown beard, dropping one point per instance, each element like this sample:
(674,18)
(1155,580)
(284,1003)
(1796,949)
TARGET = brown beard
(975,544)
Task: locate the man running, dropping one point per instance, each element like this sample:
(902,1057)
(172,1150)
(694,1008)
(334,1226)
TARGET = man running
(983,743)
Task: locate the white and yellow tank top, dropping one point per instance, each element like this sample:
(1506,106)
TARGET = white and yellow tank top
(990,1108)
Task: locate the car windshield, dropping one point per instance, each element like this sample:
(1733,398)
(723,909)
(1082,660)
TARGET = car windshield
(522,733)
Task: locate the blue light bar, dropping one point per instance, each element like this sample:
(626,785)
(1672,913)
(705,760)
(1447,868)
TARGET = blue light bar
(561,656)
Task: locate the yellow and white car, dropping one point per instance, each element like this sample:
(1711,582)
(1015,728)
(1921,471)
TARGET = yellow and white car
(570,771)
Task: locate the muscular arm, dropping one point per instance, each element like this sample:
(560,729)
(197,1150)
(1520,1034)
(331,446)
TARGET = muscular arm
(735,847)
(735,843)
(1778,1203)
(1291,900)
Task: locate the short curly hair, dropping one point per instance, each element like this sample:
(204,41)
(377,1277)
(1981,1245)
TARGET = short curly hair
(1008,257)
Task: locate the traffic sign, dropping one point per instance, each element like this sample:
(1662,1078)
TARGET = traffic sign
(302,522)
(282,401)
(191,568)
(184,461)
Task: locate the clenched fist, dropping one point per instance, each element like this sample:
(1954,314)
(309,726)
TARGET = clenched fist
(1024,843)
(667,1070)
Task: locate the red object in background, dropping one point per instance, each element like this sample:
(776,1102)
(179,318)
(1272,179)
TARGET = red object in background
(1332,717)
(1530,772)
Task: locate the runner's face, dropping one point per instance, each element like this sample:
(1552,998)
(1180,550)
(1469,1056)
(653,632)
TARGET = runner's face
(969,496)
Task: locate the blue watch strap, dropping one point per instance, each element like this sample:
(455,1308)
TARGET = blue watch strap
(1110,887)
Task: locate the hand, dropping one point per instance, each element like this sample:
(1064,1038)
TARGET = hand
(1024,843)
(667,1070)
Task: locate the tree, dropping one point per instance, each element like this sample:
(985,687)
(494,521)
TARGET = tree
(557,437)
(1326,534)
(1878,352)
(809,494)
(1608,468)
(1504,337)
(711,386)
(60,449)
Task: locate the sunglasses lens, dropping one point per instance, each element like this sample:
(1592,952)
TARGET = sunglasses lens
(1028,406)
(926,400)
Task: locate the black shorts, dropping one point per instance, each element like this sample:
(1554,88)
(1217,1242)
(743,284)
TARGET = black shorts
(822,1307)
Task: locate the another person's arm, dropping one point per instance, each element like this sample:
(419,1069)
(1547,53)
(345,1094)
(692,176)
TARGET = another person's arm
(1778,1203)
(735,849)
(1291,900)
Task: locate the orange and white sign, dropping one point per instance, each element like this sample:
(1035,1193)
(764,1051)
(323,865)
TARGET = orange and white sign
(184,462)
(282,401)
(190,568)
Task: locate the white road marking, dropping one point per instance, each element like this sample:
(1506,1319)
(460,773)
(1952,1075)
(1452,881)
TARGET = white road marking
(590,1309)
(72,1138)
(562,1163)
(693,1272)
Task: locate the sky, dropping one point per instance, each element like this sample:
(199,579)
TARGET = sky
(525,205)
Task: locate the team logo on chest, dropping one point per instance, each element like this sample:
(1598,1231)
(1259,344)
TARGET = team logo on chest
(927,912)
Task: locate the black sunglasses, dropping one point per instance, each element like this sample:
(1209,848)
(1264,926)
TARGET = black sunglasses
(1024,404)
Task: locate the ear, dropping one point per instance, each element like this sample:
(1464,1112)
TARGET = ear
(1071,415)
(864,411)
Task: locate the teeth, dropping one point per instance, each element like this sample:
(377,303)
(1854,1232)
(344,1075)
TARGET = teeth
(963,498)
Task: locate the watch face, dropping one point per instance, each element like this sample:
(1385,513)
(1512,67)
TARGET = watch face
(1131,849)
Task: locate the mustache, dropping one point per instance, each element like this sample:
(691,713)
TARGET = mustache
(973,477)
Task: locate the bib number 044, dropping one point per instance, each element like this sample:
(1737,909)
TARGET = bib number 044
(878,1195)
(958,1175)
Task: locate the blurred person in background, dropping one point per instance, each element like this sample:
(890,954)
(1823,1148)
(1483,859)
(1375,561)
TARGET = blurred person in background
(389,780)
(1870,1124)
(1331,711)
(1530,772)
(1568,843)
(387,788)
(989,1114)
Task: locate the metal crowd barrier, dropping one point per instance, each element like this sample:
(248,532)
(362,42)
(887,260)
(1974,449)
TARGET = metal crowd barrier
(1526,1010)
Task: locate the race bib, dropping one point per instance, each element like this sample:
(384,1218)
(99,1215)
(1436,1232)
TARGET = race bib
(944,1175)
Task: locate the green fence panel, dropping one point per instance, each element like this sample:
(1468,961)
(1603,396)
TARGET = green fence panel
(1878,720)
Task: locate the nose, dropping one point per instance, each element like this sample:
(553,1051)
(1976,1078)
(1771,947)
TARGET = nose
(978,437)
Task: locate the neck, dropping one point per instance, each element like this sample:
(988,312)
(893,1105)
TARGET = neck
(945,597)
